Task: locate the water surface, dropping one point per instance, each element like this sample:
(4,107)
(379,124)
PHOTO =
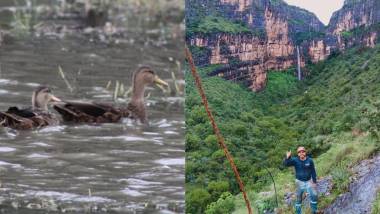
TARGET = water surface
(122,167)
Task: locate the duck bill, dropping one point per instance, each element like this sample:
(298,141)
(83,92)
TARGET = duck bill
(160,82)
(54,99)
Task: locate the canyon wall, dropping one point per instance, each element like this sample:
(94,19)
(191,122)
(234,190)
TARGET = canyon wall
(356,23)
(270,40)
(272,30)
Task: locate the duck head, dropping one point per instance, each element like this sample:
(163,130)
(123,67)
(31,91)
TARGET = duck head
(41,97)
(142,77)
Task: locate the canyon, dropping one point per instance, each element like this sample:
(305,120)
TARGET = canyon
(272,30)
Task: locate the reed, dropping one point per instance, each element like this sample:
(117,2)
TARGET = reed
(119,90)
(116,91)
(63,76)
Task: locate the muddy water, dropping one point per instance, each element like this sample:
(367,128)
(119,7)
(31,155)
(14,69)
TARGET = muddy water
(123,167)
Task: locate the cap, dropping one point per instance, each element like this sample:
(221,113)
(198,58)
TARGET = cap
(301,148)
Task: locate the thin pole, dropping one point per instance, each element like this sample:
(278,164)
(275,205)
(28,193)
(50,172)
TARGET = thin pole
(215,127)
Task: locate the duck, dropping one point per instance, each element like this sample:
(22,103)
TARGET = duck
(95,112)
(36,116)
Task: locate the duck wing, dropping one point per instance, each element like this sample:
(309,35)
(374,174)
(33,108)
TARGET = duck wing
(87,108)
(16,122)
(25,113)
(88,112)
(27,118)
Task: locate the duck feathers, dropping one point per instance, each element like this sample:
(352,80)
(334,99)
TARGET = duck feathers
(24,119)
(90,112)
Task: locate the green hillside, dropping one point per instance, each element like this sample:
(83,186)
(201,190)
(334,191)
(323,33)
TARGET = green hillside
(333,113)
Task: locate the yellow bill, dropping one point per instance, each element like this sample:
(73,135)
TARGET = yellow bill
(54,99)
(160,82)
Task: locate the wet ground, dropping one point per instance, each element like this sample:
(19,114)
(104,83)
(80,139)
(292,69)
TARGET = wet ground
(121,168)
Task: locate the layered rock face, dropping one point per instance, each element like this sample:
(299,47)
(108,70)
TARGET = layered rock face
(318,50)
(274,31)
(354,14)
(357,23)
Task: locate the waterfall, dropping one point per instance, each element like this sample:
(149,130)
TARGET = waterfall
(298,64)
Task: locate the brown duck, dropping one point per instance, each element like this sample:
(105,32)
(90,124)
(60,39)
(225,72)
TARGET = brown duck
(33,117)
(93,112)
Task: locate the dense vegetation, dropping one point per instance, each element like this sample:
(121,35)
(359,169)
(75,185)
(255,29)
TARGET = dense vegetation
(214,24)
(334,113)
(360,32)
(300,37)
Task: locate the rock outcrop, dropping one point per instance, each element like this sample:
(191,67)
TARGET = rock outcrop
(362,190)
(356,23)
(271,30)
(354,14)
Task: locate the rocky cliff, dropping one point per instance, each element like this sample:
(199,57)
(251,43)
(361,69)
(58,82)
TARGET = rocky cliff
(269,33)
(265,33)
(356,23)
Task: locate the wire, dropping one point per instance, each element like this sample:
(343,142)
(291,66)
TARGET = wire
(274,184)
(215,127)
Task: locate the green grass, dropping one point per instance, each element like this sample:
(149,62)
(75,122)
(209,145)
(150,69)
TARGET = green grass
(376,204)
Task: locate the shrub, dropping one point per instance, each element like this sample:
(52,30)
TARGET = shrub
(224,205)
(197,200)
(341,178)
(216,188)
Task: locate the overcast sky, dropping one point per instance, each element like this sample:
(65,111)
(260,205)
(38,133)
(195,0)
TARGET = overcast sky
(323,9)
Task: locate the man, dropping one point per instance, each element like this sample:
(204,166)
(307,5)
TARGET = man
(306,178)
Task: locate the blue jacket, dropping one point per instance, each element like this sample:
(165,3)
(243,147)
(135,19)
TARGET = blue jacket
(304,169)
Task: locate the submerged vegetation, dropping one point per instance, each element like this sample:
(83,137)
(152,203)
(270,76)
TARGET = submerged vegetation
(334,113)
